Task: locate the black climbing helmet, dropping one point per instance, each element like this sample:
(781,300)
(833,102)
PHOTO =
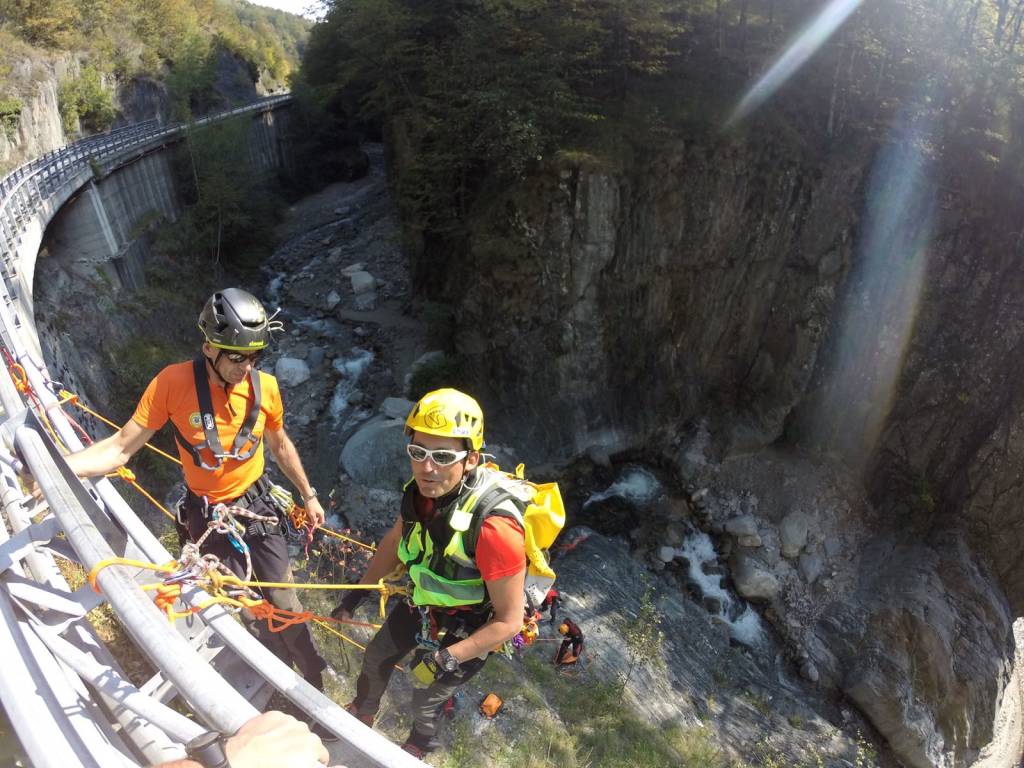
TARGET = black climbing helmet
(235,320)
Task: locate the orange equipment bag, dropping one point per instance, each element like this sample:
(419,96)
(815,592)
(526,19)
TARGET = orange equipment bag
(490,705)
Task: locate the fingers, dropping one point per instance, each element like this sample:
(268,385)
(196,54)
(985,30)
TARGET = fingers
(275,740)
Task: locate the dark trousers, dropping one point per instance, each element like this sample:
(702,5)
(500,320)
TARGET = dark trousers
(570,643)
(269,553)
(392,643)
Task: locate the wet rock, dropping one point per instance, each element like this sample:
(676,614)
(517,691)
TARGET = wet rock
(334,253)
(712,605)
(291,372)
(753,542)
(712,569)
(315,357)
(793,534)
(666,554)
(332,300)
(351,269)
(674,534)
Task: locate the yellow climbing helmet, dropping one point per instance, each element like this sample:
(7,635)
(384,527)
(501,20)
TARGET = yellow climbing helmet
(448,413)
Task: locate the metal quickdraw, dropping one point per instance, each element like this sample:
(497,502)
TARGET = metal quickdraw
(427,636)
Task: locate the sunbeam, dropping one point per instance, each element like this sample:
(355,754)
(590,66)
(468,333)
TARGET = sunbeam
(810,39)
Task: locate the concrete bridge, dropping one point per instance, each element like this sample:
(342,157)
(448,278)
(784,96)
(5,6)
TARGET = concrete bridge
(65,694)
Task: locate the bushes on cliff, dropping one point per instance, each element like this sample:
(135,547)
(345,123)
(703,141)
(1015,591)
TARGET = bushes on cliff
(84,103)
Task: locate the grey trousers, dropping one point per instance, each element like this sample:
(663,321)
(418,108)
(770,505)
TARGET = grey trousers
(392,643)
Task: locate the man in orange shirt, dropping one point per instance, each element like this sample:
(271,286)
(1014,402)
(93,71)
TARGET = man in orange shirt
(217,400)
(460,535)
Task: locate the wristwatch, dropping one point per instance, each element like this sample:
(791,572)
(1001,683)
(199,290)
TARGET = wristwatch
(448,662)
(207,749)
(311,495)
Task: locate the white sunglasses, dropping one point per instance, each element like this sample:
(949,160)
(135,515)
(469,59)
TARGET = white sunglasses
(442,457)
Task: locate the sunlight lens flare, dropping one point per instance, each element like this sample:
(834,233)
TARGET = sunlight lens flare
(877,312)
(806,44)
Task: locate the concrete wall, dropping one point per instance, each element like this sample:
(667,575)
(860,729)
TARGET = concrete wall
(93,252)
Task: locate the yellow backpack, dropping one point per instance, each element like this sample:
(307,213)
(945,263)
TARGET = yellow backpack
(543,519)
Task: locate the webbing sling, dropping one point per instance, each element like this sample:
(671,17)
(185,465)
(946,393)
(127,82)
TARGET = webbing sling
(209,422)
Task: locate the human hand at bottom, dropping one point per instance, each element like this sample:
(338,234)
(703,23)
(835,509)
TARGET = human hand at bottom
(275,740)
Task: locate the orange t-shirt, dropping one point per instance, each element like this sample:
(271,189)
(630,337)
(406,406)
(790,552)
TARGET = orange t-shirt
(501,548)
(172,395)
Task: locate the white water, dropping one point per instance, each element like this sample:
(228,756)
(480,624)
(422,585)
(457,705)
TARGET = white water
(636,486)
(274,290)
(351,369)
(744,623)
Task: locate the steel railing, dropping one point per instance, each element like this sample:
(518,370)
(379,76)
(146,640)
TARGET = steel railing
(80,707)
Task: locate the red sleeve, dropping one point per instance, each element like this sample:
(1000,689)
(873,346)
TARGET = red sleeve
(501,548)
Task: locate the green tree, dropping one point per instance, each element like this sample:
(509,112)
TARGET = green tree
(85,103)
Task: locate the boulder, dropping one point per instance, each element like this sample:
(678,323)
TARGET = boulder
(753,581)
(810,566)
(744,525)
(396,407)
(375,455)
(362,282)
(793,533)
(921,646)
(291,372)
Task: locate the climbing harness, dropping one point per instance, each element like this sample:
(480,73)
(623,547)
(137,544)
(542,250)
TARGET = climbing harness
(212,441)
(446,576)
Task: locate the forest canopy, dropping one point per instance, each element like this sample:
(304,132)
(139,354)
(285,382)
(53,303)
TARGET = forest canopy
(127,38)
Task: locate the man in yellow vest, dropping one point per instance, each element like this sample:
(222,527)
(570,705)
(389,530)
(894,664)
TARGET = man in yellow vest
(460,534)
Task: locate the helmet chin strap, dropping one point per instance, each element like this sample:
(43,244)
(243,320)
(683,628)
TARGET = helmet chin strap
(213,365)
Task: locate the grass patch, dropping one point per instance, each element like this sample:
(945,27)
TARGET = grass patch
(108,628)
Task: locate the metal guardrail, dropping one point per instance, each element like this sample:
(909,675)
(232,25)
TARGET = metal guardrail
(65,694)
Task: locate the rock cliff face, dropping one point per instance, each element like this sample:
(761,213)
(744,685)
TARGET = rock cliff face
(706,277)
(38,128)
(842,305)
